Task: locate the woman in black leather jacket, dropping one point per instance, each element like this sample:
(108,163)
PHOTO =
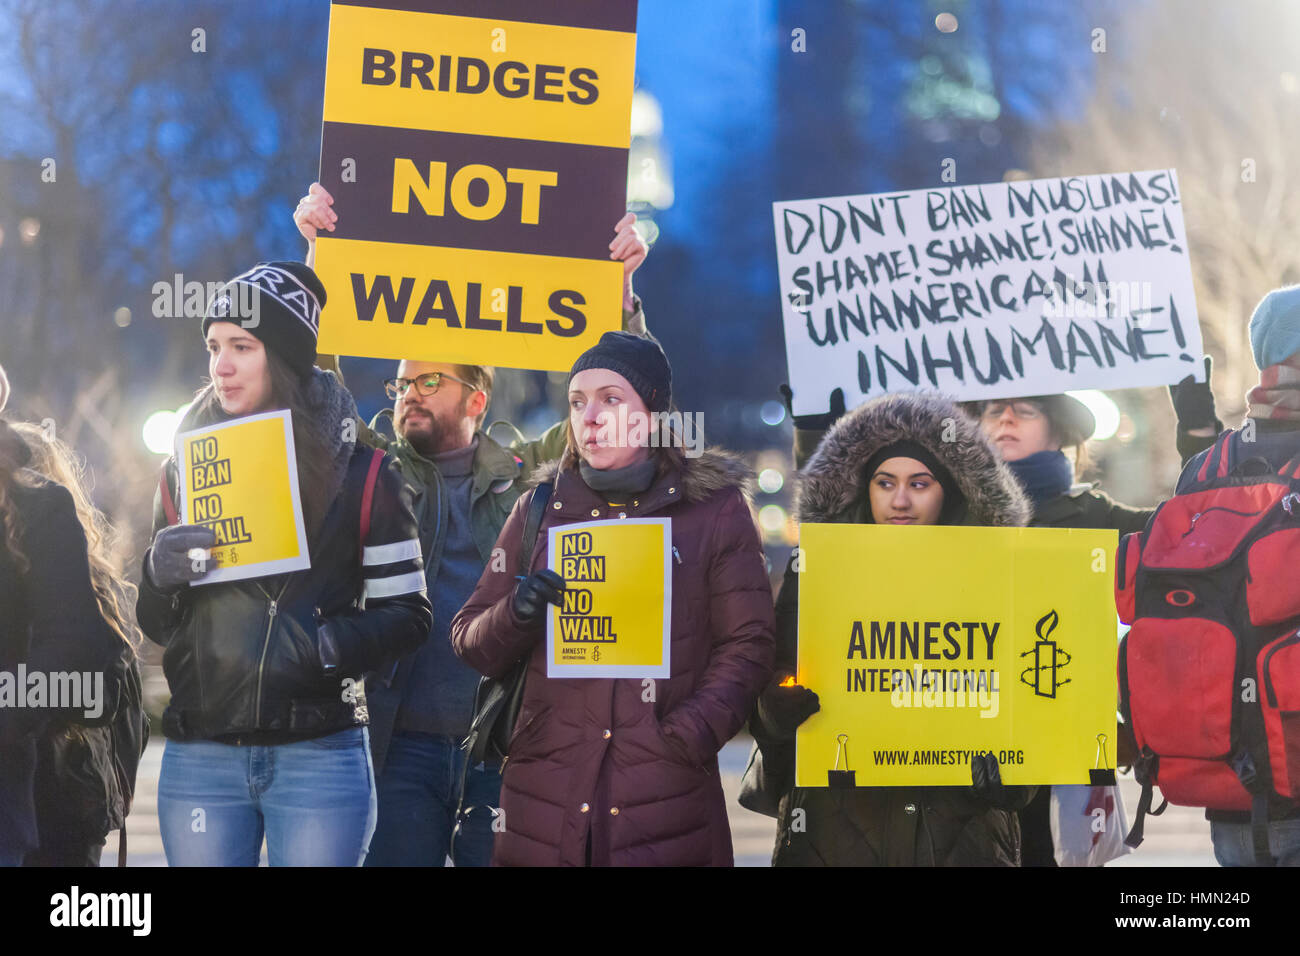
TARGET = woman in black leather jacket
(266,725)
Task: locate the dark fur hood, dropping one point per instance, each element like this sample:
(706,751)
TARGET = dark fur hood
(831,484)
(714,469)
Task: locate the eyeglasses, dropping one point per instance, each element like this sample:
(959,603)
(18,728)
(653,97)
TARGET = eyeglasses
(424,384)
(1025,411)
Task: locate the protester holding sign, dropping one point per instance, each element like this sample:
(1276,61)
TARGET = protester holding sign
(465,484)
(887,462)
(272,664)
(610,772)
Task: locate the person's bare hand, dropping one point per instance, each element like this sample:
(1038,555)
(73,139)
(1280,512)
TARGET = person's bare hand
(314,212)
(628,245)
(629,248)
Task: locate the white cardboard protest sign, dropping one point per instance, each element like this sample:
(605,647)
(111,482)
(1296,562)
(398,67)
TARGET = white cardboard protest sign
(988,291)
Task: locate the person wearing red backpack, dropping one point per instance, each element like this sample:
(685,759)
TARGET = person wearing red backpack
(1268,440)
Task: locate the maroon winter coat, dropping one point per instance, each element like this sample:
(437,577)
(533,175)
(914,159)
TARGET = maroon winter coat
(596,758)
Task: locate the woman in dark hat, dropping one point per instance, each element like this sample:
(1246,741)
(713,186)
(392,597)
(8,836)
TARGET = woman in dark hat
(263,735)
(886,462)
(1031,435)
(608,772)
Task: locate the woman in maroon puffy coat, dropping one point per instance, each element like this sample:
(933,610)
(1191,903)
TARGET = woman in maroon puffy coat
(625,772)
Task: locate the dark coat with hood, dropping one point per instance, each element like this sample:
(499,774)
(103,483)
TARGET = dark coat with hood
(890,826)
(601,760)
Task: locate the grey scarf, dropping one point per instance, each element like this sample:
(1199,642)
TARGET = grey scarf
(631,480)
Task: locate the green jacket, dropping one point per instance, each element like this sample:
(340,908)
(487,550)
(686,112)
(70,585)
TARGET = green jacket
(500,475)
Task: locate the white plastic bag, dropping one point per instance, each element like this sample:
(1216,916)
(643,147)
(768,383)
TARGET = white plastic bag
(1088,824)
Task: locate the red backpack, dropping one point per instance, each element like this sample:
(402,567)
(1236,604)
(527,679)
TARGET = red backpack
(1209,673)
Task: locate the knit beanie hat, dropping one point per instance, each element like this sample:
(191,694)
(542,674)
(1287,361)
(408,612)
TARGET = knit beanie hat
(279,303)
(638,359)
(954,502)
(1275,327)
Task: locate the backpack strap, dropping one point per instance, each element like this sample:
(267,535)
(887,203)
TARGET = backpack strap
(533,525)
(169,506)
(1217,462)
(506,693)
(1259,830)
(368,495)
(1144,769)
(1291,469)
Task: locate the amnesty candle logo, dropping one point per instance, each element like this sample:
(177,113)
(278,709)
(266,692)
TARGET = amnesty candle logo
(1049,659)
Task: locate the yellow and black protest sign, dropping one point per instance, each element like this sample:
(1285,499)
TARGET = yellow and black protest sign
(616,618)
(928,644)
(240,479)
(477,155)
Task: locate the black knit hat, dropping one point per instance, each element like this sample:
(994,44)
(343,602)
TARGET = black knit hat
(954,502)
(279,303)
(639,360)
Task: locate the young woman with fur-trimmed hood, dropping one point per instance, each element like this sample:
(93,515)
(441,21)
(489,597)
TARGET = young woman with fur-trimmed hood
(605,772)
(886,462)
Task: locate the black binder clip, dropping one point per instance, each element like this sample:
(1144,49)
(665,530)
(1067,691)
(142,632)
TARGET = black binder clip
(1100,775)
(838,779)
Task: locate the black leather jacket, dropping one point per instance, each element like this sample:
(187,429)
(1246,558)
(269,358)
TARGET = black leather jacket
(244,659)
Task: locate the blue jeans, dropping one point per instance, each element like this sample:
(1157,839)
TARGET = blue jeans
(314,801)
(1233,845)
(418,789)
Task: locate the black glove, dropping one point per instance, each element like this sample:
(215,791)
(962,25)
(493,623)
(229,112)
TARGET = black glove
(533,593)
(1194,402)
(781,709)
(986,781)
(820,422)
(168,564)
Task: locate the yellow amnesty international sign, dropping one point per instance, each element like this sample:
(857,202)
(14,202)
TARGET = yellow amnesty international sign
(477,153)
(928,644)
(240,479)
(616,618)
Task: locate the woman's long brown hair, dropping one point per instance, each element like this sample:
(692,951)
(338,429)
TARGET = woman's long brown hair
(105,544)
